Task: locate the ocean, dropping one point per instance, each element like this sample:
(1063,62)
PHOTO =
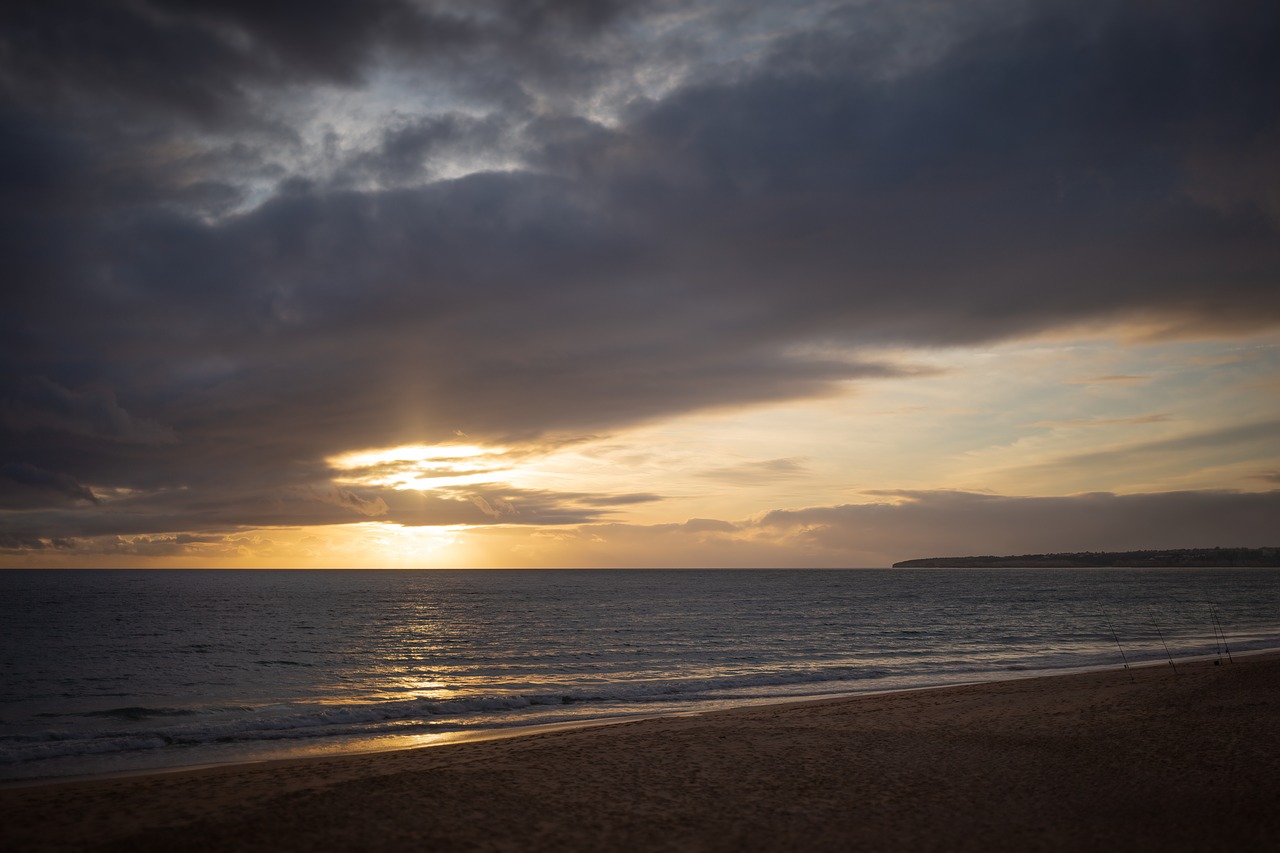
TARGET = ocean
(123,671)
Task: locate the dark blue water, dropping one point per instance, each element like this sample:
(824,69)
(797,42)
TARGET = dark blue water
(108,671)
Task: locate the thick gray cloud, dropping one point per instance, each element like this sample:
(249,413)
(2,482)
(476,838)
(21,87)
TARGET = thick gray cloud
(208,59)
(24,486)
(944,523)
(196,314)
(36,403)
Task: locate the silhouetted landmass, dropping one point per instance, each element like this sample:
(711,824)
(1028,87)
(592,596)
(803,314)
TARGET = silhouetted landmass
(1183,557)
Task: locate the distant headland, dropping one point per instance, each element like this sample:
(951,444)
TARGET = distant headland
(1183,557)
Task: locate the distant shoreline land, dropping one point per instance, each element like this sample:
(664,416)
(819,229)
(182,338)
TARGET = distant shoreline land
(1179,558)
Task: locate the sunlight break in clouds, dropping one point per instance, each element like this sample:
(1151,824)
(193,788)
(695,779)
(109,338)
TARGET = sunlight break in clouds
(420,467)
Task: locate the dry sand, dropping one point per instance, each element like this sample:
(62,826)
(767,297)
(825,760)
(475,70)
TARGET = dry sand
(1076,762)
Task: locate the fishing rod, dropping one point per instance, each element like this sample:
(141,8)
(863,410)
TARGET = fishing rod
(1116,637)
(1217,643)
(1218,625)
(1160,633)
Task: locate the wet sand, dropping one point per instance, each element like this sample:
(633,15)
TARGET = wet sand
(1093,761)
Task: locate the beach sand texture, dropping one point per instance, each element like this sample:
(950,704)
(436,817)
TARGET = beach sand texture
(1172,761)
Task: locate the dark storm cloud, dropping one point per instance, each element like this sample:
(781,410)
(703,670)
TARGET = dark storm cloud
(858,183)
(25,486)
(35,403)
(206,58)
(318,324)
(1038,173)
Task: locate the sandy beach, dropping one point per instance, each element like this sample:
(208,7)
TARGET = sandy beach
(1147,759)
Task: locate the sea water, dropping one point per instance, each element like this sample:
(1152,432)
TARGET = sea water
(117,671)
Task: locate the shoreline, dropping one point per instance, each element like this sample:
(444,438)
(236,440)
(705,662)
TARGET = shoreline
(449,739)
(1142,758)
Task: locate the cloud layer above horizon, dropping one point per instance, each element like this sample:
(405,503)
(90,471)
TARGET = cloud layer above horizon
(244,241)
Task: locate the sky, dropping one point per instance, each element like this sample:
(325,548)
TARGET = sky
(704,283)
